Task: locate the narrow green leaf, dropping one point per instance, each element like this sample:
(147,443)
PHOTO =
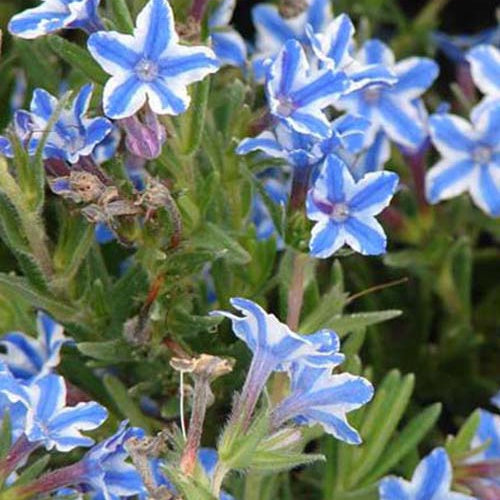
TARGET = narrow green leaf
(275,461)
(78,57)
(193,121)
(16,286)
(125,403)
(345,323)
(116,351)
(212,237)
(5,434)
(330,306)
(460,443)
(385,424)
(121,16)
(32,471)
(405,442)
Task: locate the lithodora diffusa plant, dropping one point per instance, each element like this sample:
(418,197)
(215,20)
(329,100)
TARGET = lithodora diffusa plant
(203,235)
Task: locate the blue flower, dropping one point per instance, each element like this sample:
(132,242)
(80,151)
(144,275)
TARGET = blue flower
(431,481)
(488,430)
(278,193)
(149,65)
(470,157)
(274,348)
(346,137)
(53,15)
(318,397)
(208,459)
(27,357)
(485,68)
(14,399)
(297,95)
(106,470)
(391,107)
(333,48)
(52,424)
(22,126)
(72,136)
(455,47)
(372,157)
(273,30)
(228,44)
(344,210)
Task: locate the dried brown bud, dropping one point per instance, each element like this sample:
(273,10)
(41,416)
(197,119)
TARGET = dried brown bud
(206,366)
(289,9)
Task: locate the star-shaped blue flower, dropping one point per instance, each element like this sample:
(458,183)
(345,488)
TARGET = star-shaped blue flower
(106,470)
(273,344)
(297,94)
(345,210)
(391,107)
(53,15)
(318,397)
(431,481)
(72,136)
(455,47)
(52,424)
(301,150)
(470,157)
(149,65)
(334,46)
(273,30)
(485,68)
(228,44)
(27,357)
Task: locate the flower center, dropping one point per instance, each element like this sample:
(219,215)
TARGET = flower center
(340,212)
(372,95)
(285,106)
(482,154)
(146,70)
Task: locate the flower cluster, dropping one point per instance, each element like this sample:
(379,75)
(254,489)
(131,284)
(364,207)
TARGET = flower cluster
(317,396)
(35,398)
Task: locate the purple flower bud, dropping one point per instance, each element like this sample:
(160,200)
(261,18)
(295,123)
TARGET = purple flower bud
(144,138)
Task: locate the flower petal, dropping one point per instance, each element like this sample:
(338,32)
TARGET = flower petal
(376,52)
(452,135)
(394,488)
(373,193)
(401,121)
(326,238)
(485,190)
(167,99)
(448,178)
(432,477)
(229,47)
(40,20)
(113,51)
(365,235)
(485,67)
(415,76)
(123,96)
(155,29)
(187,64)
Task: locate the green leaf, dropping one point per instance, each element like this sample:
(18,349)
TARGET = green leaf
(75,240)
(125,403)
(115,351)
(78,58)
(121,16)
(32,471)
(381,424)
(459,444)
(5,435)
(329,308)
(39,68)
(277,461)
(405,442)
(212,237)
(193,121)
(345,323)
(16,286)
(189,487)
(236,449)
